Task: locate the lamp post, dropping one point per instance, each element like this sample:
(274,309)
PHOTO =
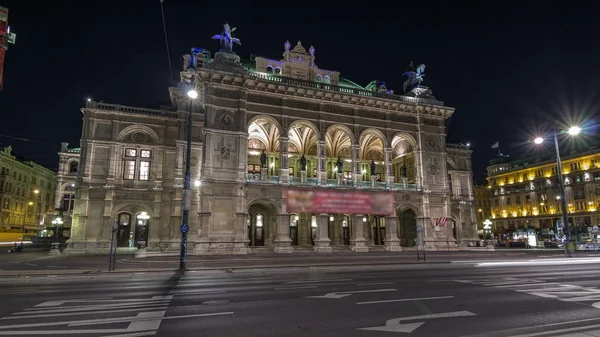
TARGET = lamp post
(187,196)
(38,197)
(573,131)
(56,222)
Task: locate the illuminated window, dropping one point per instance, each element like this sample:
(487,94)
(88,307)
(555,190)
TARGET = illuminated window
(259,220)
(313,221)
(146,154)
(144,170)
(327,80)
(131,153)
(129,171)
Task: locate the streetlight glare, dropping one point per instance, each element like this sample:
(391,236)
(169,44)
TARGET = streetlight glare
(197,183)
(36,191)
(574,130)
(192,94)
(538,140)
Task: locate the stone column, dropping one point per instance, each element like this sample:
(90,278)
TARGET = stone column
(321,167)
(392,243)
(356,165)
(359,243)
(284,171)
(322,242)
(303,230)
(202,242)
(241,234)
(389,173)
(283,242)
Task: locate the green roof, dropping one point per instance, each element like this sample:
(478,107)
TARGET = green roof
(344,82)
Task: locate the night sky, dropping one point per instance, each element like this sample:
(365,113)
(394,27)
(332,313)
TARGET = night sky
(504,67)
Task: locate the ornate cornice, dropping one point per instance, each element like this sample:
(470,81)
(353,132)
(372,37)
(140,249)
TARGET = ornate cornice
(295,89)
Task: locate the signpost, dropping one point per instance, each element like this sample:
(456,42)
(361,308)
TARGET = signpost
(112,255)
(420,244)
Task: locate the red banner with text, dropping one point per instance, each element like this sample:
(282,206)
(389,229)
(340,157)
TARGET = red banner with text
(333,202)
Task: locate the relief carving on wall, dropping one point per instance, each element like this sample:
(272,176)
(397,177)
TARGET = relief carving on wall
(225,120)
(431,144)
(139,137)
(265,100)
(234,94)
(433,167)
(225,153)
(403,118)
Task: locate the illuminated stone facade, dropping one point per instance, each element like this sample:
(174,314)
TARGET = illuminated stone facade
(132,162)
(524,194)
(66,180)
(26,194)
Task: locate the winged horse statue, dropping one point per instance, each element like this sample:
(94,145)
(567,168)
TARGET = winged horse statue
(227,40)
(415,77)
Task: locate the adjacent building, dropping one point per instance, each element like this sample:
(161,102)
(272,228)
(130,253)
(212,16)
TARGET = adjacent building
(66,178)
(26,194)
(525,196)
(285,156)
(484,210)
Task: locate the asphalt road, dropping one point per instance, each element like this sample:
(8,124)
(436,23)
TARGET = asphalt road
(43,263)
(522,298)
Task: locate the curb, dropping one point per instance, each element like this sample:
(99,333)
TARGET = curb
(14,273)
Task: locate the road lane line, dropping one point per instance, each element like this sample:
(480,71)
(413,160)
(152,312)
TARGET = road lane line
(290,288)
(556,332)
(525,285)
(319,281)
(138,309)
(407,300)
(375,283)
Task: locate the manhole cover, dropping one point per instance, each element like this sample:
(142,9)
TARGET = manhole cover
(215,302)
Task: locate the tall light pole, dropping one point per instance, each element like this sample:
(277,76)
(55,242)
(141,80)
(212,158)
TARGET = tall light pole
(573,131)
(187,196)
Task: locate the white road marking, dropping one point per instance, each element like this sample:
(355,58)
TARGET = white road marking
(91,308)
(25,315)
(555,332)
(194,291)
(341,294)
(395,325)
(101,299)
(132,319)
(319,281)
(375,283)
(290,288)
(406,300)
(525,285)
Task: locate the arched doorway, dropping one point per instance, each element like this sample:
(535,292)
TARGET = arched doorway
(346,230)
(132,231)
(407,227)
(124,230)
(261,224)
(294,218)
(378,230)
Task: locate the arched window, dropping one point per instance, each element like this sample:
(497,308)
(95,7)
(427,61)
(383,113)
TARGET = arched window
(277,71)
(327,79)
(269,70)
(319,78)
(73,167)
(124,230)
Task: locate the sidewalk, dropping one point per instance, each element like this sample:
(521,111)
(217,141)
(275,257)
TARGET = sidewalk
(23,264)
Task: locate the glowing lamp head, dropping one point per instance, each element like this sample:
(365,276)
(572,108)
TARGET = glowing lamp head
(197,183)
(36,191)
(538,140)
(574,130)
(193,94)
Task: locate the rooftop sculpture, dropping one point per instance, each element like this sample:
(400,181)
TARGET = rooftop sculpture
(227,40)
(415,76)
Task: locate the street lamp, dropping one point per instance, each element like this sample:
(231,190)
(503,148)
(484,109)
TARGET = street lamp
(187,196)
(56,222)
(573,131)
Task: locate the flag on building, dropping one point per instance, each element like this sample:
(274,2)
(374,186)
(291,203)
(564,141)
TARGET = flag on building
(495,145)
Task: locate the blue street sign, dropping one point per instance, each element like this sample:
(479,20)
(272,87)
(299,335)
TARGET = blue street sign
(184,228)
